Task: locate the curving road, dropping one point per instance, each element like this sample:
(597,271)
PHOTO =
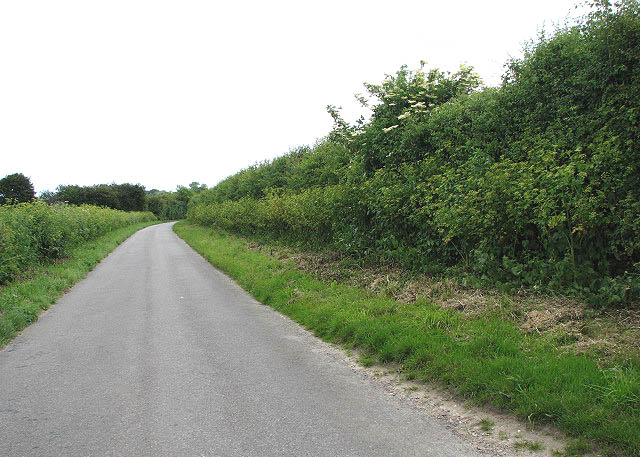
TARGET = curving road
(156,353)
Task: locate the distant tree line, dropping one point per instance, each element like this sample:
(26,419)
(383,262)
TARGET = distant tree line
(126,197)
(17,188)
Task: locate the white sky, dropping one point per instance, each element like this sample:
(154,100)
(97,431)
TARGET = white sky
(163,93)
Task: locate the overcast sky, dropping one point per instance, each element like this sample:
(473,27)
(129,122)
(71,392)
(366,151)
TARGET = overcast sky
(163,93)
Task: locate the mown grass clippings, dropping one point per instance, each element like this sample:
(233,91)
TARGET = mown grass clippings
(21,301)
(484,358)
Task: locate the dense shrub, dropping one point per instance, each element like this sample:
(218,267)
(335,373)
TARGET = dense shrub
(535,183)
(34,233)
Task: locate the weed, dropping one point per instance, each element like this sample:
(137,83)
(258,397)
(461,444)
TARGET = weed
(486,425)
(533,446)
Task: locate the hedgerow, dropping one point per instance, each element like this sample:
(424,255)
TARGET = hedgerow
(35,233)
(532,184)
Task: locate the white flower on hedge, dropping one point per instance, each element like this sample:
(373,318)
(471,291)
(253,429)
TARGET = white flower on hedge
(418,105)
(404,115)
(388,129)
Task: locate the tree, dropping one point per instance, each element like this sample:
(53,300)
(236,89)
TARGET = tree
(131,196)
(48,197)
(196,187)
(16,187)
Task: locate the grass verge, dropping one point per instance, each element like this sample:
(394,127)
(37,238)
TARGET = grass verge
(486,359)
(22,300)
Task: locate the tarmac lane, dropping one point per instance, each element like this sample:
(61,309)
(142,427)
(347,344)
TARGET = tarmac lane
(156,353)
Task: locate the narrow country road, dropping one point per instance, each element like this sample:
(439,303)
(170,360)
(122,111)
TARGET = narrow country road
(156,354)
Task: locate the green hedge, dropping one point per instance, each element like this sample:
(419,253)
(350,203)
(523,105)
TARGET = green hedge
(34,233)
(532,184)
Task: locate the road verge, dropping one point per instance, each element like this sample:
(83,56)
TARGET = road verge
(485,359)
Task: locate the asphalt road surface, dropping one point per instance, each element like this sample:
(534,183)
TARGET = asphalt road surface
(156,353)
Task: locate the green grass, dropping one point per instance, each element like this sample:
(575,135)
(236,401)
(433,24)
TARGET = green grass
(575,448)
(21,301)
(486,359)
